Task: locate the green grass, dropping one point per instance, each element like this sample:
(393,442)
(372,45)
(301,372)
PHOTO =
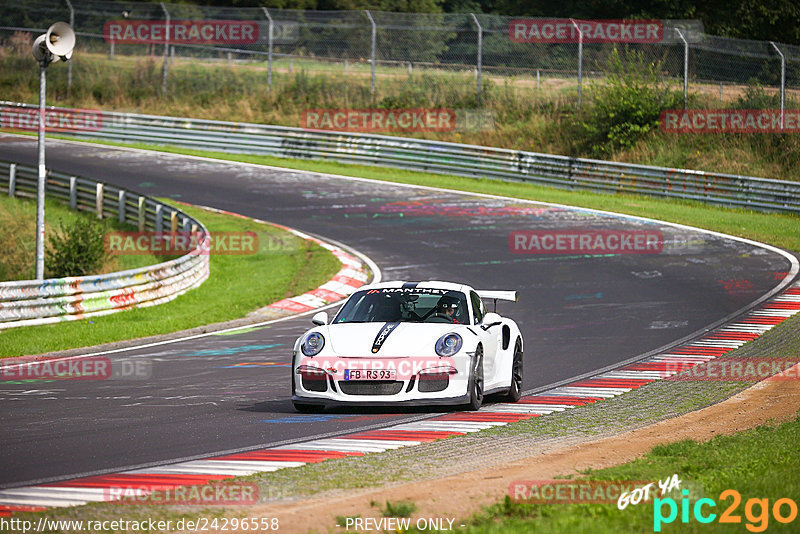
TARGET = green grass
(284,265)
(397,509)
(18,235)
(758,463)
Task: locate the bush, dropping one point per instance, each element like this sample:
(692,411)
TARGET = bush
(76,249)
(755,97)
(627,107)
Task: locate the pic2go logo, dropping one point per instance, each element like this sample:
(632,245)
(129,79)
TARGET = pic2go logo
(756,511)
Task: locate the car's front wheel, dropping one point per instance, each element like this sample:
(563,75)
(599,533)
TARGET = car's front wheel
(476,381)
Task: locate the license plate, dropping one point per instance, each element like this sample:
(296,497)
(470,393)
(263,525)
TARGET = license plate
(370,374)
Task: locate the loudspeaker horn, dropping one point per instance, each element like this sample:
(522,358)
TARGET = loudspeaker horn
(60,40)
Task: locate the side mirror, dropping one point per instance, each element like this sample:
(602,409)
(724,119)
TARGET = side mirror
(320,319)
(491,319)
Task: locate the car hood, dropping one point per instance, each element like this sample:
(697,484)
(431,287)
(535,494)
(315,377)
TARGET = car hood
(406,339)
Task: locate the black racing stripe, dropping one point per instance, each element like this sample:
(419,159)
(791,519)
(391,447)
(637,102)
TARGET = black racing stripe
(410,285)
(383,333)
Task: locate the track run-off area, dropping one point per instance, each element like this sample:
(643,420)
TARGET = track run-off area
(581,315)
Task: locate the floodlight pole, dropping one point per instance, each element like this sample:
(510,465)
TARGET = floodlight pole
(580,61)
(41,183)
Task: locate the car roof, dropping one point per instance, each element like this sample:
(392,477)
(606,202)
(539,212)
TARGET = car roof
(433,284)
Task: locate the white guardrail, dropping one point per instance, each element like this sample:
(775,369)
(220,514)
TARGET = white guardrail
(415,154)
(36,302)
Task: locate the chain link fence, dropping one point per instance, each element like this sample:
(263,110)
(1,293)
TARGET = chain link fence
(386,57)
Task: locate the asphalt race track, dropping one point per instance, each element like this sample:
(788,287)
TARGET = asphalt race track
(578,313)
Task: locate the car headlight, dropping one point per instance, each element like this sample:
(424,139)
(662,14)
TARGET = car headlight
(448,344)
(312,344)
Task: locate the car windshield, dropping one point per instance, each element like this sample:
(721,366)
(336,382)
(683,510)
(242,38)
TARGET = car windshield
(389,305)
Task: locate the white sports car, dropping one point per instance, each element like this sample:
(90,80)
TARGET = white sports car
(409,343)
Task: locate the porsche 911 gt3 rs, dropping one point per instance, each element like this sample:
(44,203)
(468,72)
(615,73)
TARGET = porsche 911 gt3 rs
(409,343)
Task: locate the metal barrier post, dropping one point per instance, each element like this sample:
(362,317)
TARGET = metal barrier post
(141,214)
(173,221)
(269,45)
(121,207)
(686,69)
(159,222)
(166,51)
(580,61)
(783,81)
(73,193)
(99,200)
(12,179)
(480,51)
(372,57)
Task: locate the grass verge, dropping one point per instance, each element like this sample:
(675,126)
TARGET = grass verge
(284,265)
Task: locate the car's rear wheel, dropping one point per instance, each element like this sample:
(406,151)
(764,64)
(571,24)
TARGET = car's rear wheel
(476,381)
(515,388)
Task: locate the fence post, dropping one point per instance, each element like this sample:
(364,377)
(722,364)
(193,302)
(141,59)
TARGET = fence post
(480,51)
(141,214)
(69,61)
(783,80)
(269,45)
(99,200)
(121,206)
(12,179)
(73,193)
(685,68)
(372,56)
(580,61)
(166,51)
(111,51)
(173,221)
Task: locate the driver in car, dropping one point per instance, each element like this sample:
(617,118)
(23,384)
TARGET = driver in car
(447,306)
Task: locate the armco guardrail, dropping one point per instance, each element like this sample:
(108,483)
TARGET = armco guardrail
(418,154)
(34,302)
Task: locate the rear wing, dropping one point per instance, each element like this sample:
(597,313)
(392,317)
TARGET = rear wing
(498,295)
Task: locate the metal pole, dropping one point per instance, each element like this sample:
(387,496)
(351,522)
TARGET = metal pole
(480,51)
(372,21)
(41,184)
(69,61)
(580,61)
(166,51)
(685,68)
(269,68)
(783,81)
